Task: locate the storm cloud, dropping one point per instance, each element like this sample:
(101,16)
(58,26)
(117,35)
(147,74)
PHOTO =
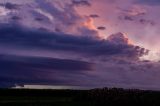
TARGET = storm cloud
(28,69)
(31,69)
(75,43)
(19,37)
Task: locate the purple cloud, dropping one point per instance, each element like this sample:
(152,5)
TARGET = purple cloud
(149,2)
(10,6)
(54,44)
(81,2)
(116,44)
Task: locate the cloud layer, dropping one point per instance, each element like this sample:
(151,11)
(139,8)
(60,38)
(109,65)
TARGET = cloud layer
(79,43)
(22,64)
(116,45)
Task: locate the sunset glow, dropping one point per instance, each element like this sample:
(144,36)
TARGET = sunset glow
(80,43)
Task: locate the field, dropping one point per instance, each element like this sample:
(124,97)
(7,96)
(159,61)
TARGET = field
(95,97)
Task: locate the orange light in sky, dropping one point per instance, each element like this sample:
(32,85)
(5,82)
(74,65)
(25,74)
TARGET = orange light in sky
(130,42)
(90,24)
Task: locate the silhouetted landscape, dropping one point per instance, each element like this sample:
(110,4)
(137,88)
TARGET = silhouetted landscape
(94,97)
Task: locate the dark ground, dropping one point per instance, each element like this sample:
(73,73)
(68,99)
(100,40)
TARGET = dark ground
(96,97)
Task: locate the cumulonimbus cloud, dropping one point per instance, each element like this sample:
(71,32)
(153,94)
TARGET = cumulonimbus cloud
(28,38)
(31,69)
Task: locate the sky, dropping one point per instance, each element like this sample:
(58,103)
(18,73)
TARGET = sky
(80,43)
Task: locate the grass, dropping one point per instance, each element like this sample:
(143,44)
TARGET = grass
(96,97)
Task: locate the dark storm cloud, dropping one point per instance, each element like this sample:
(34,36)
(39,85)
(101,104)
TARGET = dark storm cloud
(149,2)
(25,69)
(43,63)
(29,39)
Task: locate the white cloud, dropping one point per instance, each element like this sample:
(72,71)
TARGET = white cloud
(48,15)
